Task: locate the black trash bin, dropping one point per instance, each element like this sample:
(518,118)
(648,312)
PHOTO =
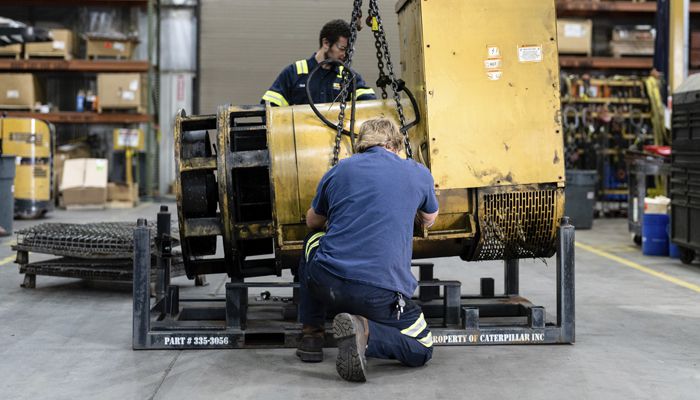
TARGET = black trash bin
(7,200)
(580,197)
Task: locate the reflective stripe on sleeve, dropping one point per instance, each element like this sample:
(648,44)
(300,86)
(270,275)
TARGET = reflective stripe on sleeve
(362,92)
(275,98)
(417,327)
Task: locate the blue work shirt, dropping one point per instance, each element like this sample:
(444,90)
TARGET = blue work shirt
(290,86)
(370,201)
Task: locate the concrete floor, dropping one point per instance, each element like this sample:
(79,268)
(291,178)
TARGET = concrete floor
(637,338)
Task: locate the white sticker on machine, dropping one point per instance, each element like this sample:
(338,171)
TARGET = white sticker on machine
(529,54)
(494,75)
(492,63)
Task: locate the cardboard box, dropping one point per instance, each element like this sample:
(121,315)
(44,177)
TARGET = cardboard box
(84,182)
(120,91)
(63,153)
(109,48)
(122,192)
(18,91)
(574,36)
(61,46)
(13,50)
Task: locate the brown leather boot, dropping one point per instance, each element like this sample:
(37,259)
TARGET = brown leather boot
(351,332)
(310,347)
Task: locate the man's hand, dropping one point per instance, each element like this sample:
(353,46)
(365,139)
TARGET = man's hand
(426,220)
(315,221)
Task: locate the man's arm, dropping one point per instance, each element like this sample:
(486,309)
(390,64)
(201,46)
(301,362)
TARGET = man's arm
(315,221)
(363,92)
(428,211)
(426,219)
(276,94)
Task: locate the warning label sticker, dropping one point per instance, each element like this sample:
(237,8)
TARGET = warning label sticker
(529,53)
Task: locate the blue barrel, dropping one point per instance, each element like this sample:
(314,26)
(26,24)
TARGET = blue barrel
(673,250)
(654,235)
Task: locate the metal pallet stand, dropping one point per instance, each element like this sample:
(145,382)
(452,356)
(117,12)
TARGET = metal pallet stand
(268,322)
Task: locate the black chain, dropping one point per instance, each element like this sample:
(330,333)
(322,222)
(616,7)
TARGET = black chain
(381,36)
(383,53)
(383,80)
(356,14)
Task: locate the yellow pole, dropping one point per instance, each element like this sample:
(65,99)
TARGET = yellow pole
(129,173)
(678,43)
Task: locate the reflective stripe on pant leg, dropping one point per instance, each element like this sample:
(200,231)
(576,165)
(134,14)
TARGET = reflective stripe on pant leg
(385,339)
(312,311)
(388,343)
(311,243)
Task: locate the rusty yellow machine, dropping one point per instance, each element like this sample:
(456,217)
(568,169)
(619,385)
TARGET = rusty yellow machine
(31,141)
(481,111)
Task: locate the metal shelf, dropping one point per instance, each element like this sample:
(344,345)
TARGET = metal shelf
(606,100)
(72,117)
(644,63)
(73,65)
(588,7)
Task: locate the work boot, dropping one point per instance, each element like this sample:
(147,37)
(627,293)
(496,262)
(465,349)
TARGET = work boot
(311,345)
(351,333)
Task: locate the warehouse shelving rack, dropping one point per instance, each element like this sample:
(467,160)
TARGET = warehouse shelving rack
(80,66)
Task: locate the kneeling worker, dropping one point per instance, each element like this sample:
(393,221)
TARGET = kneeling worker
(361,267)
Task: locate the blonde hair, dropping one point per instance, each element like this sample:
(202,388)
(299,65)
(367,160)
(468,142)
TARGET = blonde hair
(379,132)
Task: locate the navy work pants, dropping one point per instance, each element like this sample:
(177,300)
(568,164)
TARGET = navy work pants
(406,339)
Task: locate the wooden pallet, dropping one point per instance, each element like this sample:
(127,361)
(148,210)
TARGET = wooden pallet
(121,110)
(39,55)
(11,51)
(120,204)
(16,107)
(631,48)
(84,207)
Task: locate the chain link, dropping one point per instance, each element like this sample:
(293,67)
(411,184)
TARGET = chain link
(356,14)
(383,53)
(374,11)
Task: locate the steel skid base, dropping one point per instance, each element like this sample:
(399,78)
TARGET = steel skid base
(241,321)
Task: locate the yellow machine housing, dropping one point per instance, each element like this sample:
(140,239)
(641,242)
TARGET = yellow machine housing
(31,141)
(485,75)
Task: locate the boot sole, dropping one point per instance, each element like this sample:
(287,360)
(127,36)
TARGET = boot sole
(310,356)
(349,364)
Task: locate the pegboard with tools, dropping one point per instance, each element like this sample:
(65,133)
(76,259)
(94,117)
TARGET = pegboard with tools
(604,116)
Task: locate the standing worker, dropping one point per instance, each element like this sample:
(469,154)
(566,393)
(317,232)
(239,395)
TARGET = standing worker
(361,267)
(290,86)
